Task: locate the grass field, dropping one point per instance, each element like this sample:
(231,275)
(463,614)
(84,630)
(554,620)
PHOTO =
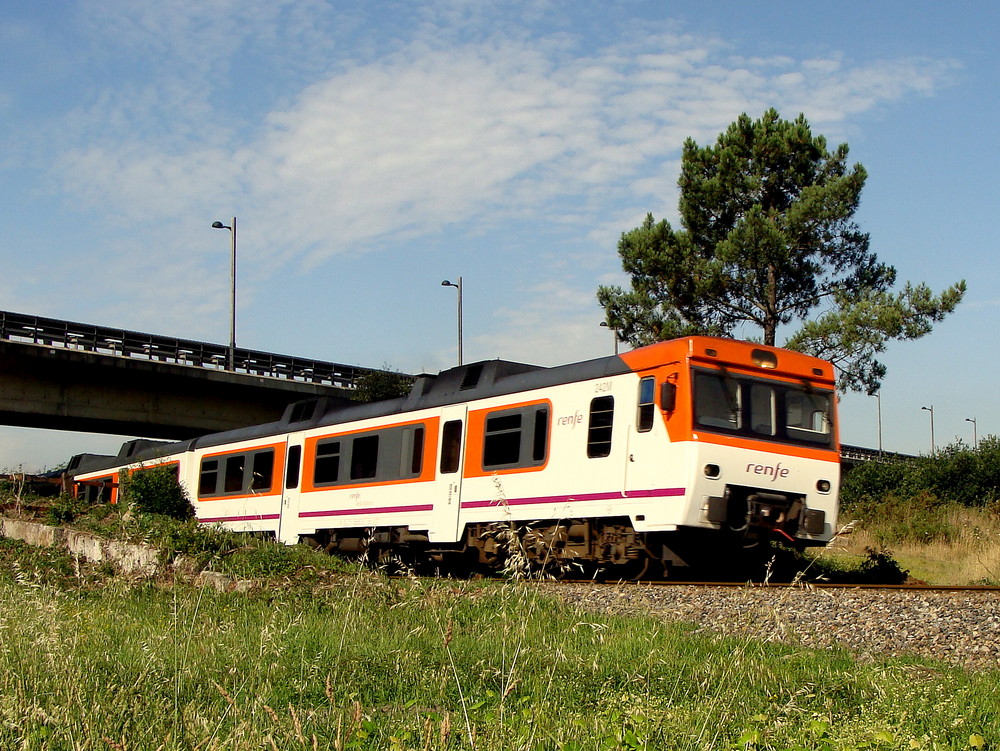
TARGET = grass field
(89,660)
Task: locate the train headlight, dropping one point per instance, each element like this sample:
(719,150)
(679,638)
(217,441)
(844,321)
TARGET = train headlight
(712,470)
(823,486)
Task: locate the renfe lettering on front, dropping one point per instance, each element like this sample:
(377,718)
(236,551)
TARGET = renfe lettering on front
(772,471)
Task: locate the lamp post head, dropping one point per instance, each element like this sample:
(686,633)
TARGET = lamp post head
(220,225)
(446,283)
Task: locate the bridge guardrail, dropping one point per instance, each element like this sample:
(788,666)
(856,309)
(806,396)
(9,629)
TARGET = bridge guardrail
(857,454)
(103,340)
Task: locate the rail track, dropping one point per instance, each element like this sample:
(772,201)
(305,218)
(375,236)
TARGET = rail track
(913,587)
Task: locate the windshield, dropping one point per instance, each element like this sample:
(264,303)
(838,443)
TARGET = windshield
(755,407)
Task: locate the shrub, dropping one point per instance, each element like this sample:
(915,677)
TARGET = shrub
(65,509)
(155,491)
(895,519)
(879,567)
(956,474)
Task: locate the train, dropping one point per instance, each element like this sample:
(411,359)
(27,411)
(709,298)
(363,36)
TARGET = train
(637,464)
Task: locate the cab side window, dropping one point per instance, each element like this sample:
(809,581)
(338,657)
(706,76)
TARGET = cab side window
(602,415)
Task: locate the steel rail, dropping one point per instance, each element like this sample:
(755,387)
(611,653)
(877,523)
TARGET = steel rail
(921,587)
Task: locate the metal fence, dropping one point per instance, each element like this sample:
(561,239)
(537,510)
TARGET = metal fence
(51,332)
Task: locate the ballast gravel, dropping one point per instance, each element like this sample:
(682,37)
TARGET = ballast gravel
(958,627)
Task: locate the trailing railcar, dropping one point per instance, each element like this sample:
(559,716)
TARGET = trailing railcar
(666,455)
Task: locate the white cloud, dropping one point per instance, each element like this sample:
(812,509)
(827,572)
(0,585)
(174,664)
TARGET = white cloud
(415,140)
(349,149)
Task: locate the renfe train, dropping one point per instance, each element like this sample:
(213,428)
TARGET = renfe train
(663,456)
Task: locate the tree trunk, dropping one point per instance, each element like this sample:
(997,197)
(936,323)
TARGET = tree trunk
(771,307)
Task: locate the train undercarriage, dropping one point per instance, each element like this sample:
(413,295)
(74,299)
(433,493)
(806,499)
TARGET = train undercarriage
(586,548)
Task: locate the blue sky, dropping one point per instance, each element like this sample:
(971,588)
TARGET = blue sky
(370,150)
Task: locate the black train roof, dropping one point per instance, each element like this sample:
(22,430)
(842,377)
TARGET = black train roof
(466,383)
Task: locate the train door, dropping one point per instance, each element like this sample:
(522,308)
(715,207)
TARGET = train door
(645,456)
(288,524)
(448,493)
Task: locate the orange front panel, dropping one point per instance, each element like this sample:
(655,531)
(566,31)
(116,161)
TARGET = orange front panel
(673,361)
(771,447)
(732,354)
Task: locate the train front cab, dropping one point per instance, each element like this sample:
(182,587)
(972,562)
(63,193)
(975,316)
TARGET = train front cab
(751,449)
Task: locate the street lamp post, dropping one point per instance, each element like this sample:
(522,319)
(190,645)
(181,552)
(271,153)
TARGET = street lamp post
(933,445)
(878,405)
(975,432)
(458,286)
(232,289)
(614,333)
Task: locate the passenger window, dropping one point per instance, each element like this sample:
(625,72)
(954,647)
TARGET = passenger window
(503,440)
(97,490)
(647,407)
(234,473)
(540,445)
(451,446)
(327,468)
(411,454)
(417,458)
(364,457)
(516,437)
(602,412)
(209,477)
(263,470)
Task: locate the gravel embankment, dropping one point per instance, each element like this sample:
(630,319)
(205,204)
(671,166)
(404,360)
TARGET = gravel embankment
(961,628)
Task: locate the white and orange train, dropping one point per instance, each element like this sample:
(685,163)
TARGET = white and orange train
(664,455)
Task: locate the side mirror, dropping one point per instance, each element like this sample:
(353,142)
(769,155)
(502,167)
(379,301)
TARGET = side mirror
(668,396)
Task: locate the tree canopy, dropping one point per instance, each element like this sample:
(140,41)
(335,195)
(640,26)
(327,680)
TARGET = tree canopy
(376,385)
(769,240)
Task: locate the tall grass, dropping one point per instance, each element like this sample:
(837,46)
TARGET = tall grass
(938,515)
(92,662)
(946,544)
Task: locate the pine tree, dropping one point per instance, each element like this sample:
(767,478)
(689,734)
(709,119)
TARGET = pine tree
(768,240)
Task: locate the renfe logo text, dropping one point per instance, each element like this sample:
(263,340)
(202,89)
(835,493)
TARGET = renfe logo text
(774,472)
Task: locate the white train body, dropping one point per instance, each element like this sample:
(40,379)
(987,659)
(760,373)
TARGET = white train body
(648,455)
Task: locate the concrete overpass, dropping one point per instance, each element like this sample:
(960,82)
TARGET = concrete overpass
(65,375)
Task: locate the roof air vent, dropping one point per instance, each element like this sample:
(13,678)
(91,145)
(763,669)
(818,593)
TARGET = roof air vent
(471,378)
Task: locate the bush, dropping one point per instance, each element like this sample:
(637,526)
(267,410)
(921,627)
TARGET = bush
(66,509)
(155,491)
(879,567)
(956,474)
(895,519)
